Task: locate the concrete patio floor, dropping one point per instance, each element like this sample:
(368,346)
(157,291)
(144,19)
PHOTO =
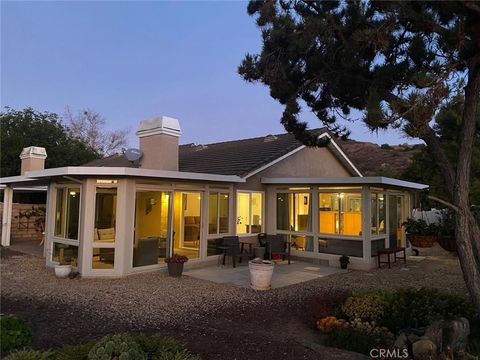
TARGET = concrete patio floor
(283,274)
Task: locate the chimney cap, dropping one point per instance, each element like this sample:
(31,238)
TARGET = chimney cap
(35,152)
(159,125)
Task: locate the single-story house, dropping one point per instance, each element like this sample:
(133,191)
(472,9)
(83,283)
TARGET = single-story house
(114,217)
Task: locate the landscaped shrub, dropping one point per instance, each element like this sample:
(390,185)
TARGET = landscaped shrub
(74,352)
(413,308)
(121,346)
(14,333)
(364,306)
(31,355)
(327,303)
(160,348)
(354,339)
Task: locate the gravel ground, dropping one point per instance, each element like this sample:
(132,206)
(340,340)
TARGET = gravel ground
(217,321)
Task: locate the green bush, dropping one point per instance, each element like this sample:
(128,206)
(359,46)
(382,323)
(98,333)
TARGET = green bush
(31,355)
(122,346)
(74,352)
(162,348)
(351,339)
(14,333)
(364,306)
(419,307)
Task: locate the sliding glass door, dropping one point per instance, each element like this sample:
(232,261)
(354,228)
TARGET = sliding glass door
(187,223)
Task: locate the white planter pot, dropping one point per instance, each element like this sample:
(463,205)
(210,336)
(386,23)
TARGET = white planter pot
(261,274)
(62,271)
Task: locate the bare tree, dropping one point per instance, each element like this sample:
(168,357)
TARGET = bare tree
(89,126)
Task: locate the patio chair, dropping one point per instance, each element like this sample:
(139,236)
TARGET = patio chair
(231,248)
(278,245)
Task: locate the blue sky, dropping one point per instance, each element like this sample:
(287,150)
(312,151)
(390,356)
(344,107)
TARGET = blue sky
(131,61)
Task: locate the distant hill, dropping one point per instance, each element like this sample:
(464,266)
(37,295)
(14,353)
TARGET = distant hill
(379,160)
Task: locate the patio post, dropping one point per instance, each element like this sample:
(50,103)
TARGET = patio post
(366,223)
(7,215)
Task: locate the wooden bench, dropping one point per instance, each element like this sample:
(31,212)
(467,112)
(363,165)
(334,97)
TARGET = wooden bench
(389,251)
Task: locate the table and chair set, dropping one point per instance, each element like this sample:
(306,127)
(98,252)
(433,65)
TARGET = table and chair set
(268,247)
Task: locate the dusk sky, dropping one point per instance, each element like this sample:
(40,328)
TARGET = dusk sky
(132,61)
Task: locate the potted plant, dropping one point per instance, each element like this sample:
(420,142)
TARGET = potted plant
(344,261)
(175,264)
(261,272)
(63,269)
(419,233)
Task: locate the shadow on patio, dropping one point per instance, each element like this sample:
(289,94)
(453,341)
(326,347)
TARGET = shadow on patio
(283,274)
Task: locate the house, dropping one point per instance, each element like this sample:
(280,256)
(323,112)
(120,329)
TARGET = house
(114,217)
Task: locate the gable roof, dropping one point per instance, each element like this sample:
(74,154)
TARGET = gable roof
(239,157)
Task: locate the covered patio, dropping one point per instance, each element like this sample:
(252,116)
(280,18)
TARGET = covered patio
(283,274)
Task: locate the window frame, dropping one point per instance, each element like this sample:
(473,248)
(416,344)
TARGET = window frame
(61,239)
(262,225)
(219,193)
(101,244)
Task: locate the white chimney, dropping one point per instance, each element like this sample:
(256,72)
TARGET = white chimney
(33,158)
(159,143)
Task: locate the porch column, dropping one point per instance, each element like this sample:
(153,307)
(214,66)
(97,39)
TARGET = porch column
(366,223)
(7,215)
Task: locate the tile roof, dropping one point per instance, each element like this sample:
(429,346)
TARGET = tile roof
(238,157)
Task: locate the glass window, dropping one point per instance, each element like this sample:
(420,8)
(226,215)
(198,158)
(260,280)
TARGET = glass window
(152,221)
(103,258)
(65,254)
(378,214)
(249,213)
(243,213)
(105,215)
(213,213)
(256,213)
(294,212)
(67,213)
(218,213)
(223,213)
(340,213)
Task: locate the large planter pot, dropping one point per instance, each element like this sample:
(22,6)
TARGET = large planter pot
(62,271)
(421,241)
(175,269)
(261,274)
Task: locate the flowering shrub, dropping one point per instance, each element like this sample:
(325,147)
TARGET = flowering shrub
(326,324)
(367,307)
(176,258)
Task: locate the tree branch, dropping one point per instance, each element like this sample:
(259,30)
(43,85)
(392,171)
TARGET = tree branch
(444,202)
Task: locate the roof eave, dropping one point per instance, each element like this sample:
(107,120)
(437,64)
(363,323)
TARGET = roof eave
(366,180)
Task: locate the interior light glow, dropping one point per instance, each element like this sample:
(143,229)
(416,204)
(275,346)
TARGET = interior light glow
(104,181)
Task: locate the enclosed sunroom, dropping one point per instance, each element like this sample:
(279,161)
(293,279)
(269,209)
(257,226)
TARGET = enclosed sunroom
(114,217)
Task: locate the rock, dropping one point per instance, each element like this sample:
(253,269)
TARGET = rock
(455,334)
(401,342)
(434,332)
(424,349)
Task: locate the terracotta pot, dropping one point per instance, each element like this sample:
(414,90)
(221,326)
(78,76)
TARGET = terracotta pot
(175,269)
(422,241)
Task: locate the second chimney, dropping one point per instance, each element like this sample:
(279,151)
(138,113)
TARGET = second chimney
(159,143)
(33,158)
